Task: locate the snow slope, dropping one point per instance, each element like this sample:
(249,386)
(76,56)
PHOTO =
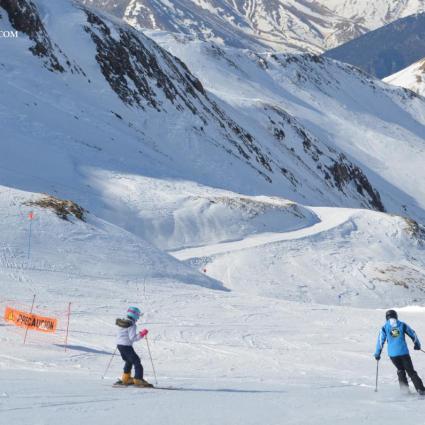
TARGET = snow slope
(376,125)
(249,363)
(79,247)
(244,357)
(412,78)
(350,257)
(288,26)
(250,360)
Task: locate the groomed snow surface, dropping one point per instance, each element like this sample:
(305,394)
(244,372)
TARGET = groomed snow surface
(254,329)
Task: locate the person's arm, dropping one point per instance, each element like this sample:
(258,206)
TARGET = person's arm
(133,335)
(382,337)
(412,334)
(136,336)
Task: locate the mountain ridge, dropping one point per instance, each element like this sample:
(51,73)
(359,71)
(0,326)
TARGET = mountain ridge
(386,50)
(290,26)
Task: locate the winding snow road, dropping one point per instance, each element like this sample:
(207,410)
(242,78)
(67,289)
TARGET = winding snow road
(329,219)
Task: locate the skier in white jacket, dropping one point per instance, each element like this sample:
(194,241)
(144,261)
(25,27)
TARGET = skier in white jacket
(126,336)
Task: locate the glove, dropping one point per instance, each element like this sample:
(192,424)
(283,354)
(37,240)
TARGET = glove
(417,346)
(377,357)
(143,333)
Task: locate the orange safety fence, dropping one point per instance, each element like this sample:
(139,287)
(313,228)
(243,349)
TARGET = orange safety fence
(35,323)
(30,321)
(74,322)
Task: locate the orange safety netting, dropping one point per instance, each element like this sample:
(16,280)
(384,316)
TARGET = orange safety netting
(30,320)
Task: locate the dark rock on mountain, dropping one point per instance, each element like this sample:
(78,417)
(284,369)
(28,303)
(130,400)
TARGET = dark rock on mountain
(23,16)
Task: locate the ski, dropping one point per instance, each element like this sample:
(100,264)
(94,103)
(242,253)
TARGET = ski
(168,388)
(120,384)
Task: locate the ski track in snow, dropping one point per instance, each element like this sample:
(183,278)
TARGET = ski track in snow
(329,218)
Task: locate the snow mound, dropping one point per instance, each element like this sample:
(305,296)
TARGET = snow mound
(178,214)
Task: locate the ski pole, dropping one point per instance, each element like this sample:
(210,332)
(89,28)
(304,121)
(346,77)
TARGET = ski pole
(150,355)
(109,364)
(377,370)
(423,351)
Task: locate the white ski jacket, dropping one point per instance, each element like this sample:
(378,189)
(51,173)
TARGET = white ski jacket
(128,336)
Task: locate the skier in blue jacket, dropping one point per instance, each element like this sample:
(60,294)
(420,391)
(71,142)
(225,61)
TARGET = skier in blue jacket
(394,332)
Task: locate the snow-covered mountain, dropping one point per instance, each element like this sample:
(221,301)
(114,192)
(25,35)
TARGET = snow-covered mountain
(290,26)
(109,95)
(377,13)
(294,25)
(116,117)
(121,122)
(386,50)
(412,78)
(334,102)
(246,202)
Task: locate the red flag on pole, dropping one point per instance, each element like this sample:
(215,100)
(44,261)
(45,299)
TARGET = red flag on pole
(31,215)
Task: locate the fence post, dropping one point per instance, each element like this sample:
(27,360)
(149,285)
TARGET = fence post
(31,218)
(32,308)
(67,326)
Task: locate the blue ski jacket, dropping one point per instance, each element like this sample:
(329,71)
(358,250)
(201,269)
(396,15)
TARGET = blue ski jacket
(395,336)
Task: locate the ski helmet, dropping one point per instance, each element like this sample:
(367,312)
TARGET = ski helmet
(391,314)
(134,313)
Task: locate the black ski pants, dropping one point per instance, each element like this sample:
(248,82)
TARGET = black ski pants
(131,359)
(404,364)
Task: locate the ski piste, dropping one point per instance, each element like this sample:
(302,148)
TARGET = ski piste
(402,398)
